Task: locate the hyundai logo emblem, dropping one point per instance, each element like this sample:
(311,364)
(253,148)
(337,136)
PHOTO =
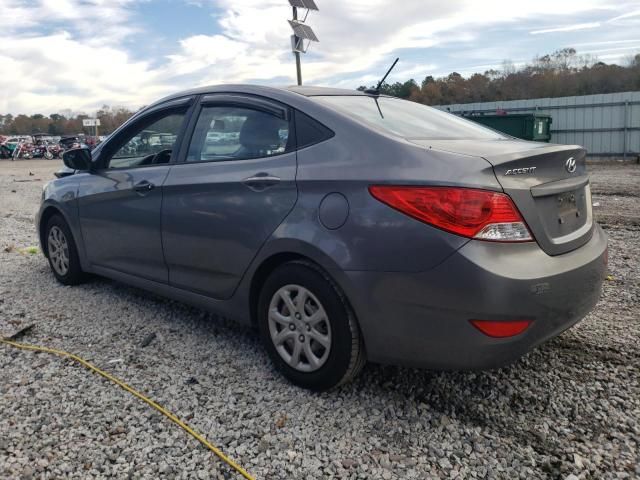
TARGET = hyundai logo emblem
(570,165)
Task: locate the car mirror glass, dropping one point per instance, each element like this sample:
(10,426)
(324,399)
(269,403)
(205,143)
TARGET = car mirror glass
(77,158)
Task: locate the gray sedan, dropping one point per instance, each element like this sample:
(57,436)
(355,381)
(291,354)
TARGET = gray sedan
(346,226)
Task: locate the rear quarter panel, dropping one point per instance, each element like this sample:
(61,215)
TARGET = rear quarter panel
(375,236)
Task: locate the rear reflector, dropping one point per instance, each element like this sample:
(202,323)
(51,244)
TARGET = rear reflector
(501,329)
(469,212)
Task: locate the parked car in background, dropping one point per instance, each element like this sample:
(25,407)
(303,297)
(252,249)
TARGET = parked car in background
(345,225)
(69,142)
(5,151)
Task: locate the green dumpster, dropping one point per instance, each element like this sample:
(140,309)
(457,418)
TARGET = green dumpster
(527,126)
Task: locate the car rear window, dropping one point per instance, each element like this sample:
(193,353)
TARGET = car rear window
(407,119)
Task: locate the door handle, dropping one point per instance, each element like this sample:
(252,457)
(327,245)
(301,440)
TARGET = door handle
(144,186)
(261,181)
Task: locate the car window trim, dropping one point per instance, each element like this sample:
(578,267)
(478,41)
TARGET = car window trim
(137,116)
(155,110)
(242,101)
(255,103)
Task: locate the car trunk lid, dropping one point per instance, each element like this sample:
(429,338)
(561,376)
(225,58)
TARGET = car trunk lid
(548,183)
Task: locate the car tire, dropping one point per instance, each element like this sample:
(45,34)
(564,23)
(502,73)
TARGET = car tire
(62,252)
(323,330)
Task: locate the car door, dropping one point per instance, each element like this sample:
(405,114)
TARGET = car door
(236,185)
(120,202)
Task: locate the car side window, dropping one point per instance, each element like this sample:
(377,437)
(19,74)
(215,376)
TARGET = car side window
(236,133)
(151,142)
(309,131)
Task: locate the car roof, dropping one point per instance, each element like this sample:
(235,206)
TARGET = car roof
(263,90)
(312,91)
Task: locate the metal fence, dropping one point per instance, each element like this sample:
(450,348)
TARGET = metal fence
(607,125)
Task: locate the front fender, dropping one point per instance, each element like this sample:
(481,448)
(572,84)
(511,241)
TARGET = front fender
(61,197)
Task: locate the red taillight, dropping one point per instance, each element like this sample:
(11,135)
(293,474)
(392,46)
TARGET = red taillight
(468,212)
(501,329)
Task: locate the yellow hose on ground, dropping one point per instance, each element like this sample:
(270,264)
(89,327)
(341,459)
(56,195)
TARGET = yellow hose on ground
(134,392)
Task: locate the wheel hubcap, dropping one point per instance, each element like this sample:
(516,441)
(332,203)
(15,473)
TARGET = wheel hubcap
(295,309)
(58,249)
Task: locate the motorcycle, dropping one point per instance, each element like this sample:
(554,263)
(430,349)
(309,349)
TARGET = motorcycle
(23,150)
(57,150)
(46,150)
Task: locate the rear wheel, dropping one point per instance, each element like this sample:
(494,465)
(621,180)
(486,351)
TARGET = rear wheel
(62,252)
(308,328)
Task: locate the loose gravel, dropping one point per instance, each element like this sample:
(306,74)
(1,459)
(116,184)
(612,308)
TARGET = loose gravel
(569,409)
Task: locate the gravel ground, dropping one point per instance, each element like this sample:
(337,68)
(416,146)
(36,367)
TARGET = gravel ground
(569,409)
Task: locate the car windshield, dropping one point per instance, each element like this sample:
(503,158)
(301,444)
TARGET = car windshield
(408,119)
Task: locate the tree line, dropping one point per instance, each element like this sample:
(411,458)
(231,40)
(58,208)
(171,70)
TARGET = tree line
(61,124)
(560,74)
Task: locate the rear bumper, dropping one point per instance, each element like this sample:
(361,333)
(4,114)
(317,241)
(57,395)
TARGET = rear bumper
(422,319)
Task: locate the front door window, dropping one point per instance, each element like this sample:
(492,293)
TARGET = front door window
(150,143)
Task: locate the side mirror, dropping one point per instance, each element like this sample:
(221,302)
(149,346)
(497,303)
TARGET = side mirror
(77,158)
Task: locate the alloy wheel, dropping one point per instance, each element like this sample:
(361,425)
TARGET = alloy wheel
(58,248)
(299,328)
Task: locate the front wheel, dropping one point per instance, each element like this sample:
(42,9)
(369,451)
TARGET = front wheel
(308,328)
(62,252)
(48,155)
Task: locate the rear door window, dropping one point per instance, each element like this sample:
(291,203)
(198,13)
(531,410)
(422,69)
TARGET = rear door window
(234,133)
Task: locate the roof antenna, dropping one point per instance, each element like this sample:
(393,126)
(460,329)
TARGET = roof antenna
(376,91)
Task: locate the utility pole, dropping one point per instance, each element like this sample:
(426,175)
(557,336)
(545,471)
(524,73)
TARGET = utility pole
(301,32)
(297,52)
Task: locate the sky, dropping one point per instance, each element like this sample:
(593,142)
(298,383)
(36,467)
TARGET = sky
(82,54)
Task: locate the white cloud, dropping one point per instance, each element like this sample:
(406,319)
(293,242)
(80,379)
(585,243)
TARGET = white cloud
(567,28)
(79,66)
(635,13)
(355,36)
(203,51)
(62,72)
(88,61)
(112,17)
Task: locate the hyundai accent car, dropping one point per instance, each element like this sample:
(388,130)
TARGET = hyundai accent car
(346,226)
